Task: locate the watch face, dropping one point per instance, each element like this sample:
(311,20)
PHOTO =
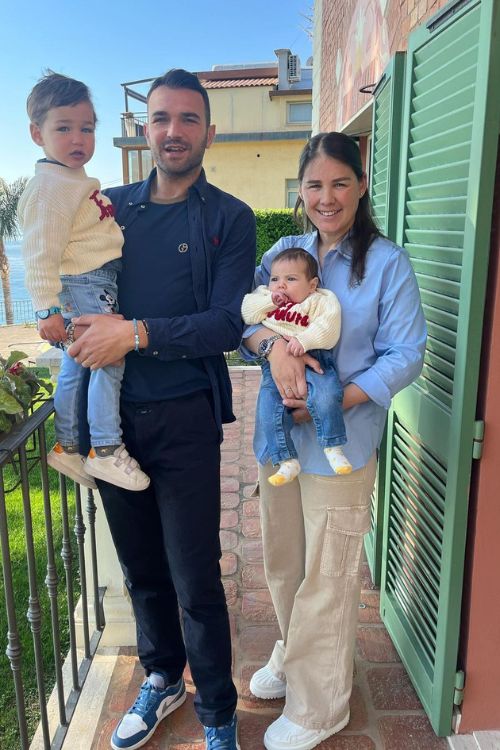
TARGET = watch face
(43,314)
(262,348)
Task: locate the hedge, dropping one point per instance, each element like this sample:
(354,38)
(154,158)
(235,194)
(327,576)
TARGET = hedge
(271,225)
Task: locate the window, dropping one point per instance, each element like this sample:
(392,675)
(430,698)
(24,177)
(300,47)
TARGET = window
(292,192)
(299,112)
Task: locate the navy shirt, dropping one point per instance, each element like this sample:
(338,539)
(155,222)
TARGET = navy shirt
(156,282)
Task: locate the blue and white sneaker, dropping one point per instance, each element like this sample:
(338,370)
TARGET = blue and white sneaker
(141,720)
(223,738)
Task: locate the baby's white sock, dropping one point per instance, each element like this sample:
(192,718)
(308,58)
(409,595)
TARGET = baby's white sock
(287,472)
(337,460)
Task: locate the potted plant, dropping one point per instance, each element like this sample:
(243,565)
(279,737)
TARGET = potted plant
(19,386)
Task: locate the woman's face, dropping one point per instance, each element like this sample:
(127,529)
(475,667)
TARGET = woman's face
(330,191)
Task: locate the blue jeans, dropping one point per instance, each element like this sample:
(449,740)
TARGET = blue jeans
(93,292)
(324,401)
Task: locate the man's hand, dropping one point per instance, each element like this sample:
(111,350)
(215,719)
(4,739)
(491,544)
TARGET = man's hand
(52,328)
(105,341)
(279,298)
(295,347)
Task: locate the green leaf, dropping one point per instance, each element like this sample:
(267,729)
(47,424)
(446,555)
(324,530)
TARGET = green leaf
(8,403)
(5,423)
(14,357)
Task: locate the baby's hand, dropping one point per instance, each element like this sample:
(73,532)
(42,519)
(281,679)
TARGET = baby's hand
(295,347)
(279,298)
(52,328)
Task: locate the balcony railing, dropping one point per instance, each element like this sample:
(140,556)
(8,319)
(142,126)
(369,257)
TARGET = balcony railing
(21,312)
(133,124)
(23,468)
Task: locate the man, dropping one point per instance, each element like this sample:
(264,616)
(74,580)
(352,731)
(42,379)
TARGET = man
(188,259)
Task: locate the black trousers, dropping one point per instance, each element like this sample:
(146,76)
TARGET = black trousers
(167,539)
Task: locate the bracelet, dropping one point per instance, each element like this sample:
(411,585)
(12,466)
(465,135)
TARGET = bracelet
(136,335)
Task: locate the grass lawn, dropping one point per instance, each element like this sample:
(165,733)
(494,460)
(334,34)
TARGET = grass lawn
(9,734)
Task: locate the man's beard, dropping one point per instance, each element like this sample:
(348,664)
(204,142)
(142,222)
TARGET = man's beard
(192,164)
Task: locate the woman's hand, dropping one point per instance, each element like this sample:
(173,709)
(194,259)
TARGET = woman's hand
(288,372)
(105,340)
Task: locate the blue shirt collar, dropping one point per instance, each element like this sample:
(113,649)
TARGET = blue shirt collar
(143,194)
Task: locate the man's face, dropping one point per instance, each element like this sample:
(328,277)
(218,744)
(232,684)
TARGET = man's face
(177,131)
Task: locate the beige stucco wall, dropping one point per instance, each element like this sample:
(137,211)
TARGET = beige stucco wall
(250,110)
(254,171)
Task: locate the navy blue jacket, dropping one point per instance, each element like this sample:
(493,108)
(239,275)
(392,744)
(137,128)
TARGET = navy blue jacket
(222,247)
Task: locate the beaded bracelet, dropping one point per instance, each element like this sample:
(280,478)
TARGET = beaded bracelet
(136,335)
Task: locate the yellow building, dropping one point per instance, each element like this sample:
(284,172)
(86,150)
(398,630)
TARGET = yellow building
(262,113)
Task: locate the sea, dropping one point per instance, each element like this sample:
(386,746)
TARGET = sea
(23,310)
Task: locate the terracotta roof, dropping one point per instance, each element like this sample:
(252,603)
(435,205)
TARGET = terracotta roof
(239,82)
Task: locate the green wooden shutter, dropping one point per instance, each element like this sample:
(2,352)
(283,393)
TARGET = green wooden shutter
(450,132)
(384,176)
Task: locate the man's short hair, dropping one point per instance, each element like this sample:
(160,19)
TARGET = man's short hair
(178,78)
(56,90)
(298,253)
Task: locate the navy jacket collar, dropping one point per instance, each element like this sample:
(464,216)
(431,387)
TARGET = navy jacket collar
(142,192)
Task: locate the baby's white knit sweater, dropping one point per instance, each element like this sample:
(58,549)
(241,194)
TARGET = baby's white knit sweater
(315,322)
(68,228)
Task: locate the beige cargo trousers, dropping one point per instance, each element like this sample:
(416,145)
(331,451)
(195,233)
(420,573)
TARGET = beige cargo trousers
(312,532)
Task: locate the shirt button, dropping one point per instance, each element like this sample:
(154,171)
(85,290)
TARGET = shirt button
(184,356)
(130,203)
(155,354)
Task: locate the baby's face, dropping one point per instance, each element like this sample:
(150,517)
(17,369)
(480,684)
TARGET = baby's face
(290,277)
(67,134)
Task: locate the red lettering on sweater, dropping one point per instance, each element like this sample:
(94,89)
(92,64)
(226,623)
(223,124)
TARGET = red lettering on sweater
(283,313)
(106,210)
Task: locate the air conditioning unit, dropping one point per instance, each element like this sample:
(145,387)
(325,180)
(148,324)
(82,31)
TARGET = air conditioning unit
(293,68)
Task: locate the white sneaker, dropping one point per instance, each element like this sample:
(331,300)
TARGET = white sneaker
(119,469)
(71,465)
(284,734)
(265,684)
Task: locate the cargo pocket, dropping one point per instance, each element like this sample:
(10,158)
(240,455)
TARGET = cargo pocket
(343,542)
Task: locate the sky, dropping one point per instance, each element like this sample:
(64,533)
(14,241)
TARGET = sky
(105,43)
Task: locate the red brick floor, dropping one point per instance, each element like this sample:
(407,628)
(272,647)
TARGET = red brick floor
(385,711)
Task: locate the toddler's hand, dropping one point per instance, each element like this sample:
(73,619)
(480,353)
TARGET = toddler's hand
(295,347)
(279,298)
(52,328)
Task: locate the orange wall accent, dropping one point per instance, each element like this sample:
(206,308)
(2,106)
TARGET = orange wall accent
(481,643)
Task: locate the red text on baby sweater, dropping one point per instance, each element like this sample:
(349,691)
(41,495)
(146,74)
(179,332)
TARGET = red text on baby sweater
(283,313)
(106,210)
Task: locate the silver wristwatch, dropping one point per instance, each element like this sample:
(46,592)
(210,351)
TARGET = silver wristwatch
(265,346)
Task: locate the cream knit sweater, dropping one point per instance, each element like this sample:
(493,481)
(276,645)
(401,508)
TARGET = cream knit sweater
(315,322)
(68,228)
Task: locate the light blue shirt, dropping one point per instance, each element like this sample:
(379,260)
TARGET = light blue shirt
(381,345)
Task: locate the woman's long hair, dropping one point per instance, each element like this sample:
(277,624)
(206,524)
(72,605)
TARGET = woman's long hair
(364,230)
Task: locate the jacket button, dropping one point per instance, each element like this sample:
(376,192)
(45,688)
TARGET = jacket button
(142,205)
(130,203)
(155,354)
(122,226)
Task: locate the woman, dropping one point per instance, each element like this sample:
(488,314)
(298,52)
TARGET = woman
(313,527)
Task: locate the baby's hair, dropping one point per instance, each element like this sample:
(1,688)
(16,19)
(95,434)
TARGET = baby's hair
(56,90)
(297,253)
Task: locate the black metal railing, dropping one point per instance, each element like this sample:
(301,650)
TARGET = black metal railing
(21,312)
(23,466)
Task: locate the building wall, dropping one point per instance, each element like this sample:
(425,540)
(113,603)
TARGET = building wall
(250,110)
(255,171)
(358,39)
